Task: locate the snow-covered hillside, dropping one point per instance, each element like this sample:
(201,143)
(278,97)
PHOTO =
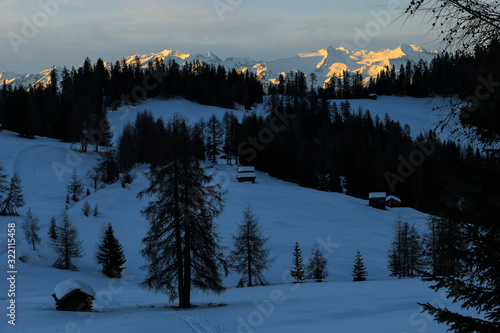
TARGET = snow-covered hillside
(325,63)
(339,224)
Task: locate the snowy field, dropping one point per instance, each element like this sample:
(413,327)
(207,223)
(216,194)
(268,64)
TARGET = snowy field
(339,224)
(418,113)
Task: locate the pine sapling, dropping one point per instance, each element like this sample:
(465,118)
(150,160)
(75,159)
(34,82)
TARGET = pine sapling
(53,228)
(359,269)
(316,267)
(297,271)
(31,227)
(86,208)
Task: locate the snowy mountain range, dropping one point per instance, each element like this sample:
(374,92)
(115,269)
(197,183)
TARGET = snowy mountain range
(324,62)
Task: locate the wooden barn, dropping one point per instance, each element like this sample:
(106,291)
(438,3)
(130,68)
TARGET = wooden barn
(246,174)
(392,201)
(377,200)
(74,295)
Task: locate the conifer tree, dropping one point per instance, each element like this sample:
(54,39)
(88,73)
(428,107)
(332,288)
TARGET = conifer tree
(107,135)
(395,263)
(66,245)
(13,197)
(31,227)
(214,137)
(250,255)
(108,168)
(359,269)
(86,208)
(3,183)
(406,253)
(443,246)
(182,246)
(110,254)
(297,271)
(75,187)
(96,210)
(230,123)
(316,266)
(95,177)
(53,228)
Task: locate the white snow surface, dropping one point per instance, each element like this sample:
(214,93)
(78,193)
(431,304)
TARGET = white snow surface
(393,198)
(246,169)
(67,286)
(287,212)
(377,195)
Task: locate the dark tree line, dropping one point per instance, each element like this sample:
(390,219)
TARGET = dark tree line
(344,86)
(448,74)
(325,145)
(75,109)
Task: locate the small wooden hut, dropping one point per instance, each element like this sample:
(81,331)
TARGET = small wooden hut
(377,200)
(246,174)
(392,201)
(74,295)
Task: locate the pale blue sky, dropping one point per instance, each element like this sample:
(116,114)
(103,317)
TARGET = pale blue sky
(261,29)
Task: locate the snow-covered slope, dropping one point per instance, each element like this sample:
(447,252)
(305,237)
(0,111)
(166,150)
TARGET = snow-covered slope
(325,63)
(339,224)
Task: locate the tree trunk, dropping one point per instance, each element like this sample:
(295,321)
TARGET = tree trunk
(186,288)
(178,237)
(249,260)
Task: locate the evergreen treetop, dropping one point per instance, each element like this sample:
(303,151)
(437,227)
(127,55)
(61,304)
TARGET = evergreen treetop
(250,255)
(359,272)
(297,271)
(110,254)
(13,198)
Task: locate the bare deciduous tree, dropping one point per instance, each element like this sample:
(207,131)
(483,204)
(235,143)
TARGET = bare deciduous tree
(461,23)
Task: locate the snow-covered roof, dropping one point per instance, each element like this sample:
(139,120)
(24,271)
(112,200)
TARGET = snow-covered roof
(377,195)
(66,287)
(246,175)
(246,169)
(393,198)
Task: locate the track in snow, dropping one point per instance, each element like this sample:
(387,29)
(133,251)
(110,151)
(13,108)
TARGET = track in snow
(199,324)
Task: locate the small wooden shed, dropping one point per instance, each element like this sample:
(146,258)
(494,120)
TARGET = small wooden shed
(377,200)
(246,174)
(392,201)
(74,295)
(373,96)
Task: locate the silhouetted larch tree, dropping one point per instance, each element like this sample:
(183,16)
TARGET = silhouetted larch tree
(75,187)
(182,246)
(250,255)
(316,266)
(31,227)
(66,245)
